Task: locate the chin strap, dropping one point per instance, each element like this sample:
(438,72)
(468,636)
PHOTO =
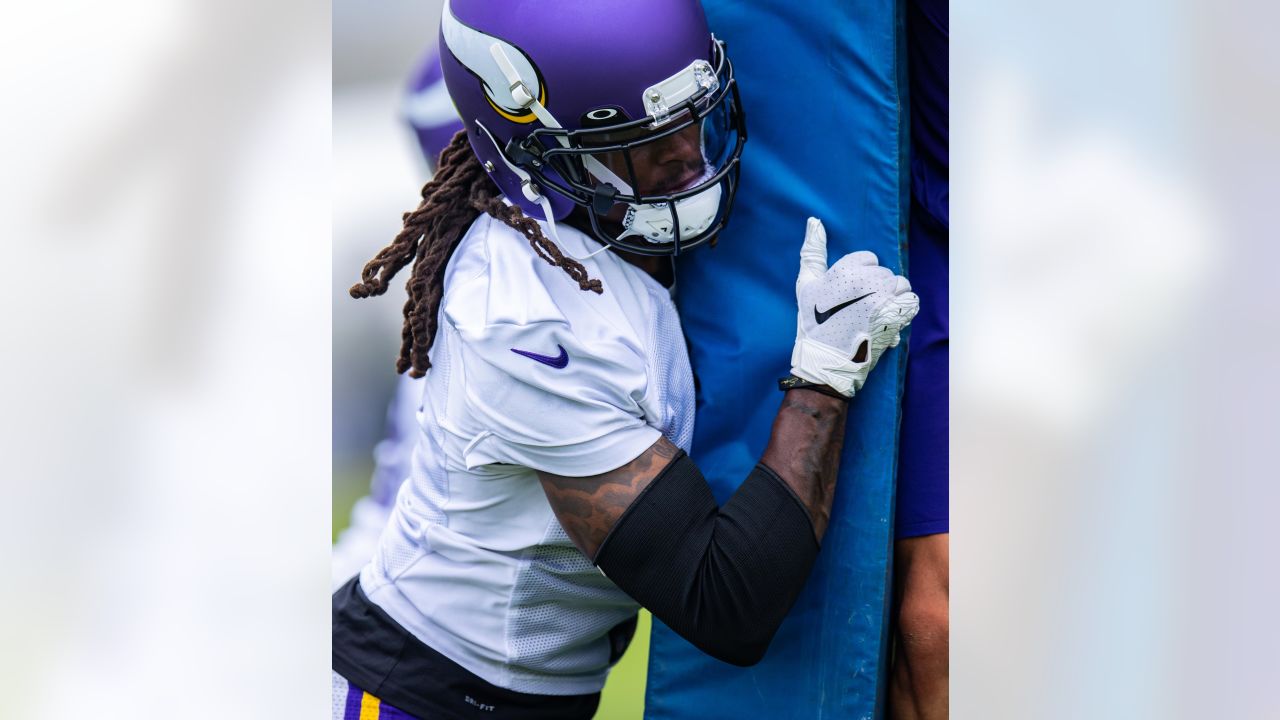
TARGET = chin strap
(520,93)
(555,234)
(532,193)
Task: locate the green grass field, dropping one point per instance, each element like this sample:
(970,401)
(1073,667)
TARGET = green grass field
(623,697)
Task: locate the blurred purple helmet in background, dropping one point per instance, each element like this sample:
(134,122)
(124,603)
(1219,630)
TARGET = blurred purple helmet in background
(428,109)
(545,89)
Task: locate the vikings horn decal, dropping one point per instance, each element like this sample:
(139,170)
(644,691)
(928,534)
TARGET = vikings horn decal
(471,48)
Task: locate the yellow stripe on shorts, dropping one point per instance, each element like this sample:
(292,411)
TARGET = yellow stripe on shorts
(369,707)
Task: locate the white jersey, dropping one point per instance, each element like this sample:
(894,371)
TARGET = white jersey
(528,372)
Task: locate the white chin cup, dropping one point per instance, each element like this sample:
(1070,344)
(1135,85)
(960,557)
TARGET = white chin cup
(653,221)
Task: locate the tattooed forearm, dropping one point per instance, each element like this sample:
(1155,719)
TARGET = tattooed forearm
(804,450)
(589,506)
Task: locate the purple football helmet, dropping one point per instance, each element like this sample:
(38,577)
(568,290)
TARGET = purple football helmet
(428,110)
(568,103)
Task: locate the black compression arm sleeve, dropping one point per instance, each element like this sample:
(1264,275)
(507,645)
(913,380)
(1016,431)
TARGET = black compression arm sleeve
(723,578)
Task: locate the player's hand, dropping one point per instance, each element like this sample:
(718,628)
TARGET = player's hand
(849,315)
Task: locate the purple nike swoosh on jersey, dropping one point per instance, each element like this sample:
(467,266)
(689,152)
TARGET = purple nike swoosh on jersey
(555,362)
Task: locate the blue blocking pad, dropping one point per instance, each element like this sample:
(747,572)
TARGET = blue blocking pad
(824,90)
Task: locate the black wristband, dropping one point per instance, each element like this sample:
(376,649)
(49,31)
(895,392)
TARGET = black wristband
(791,382)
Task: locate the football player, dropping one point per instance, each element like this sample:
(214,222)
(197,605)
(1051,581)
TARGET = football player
(550,494)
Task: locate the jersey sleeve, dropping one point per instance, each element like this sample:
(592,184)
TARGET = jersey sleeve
(552,377)
(545,398)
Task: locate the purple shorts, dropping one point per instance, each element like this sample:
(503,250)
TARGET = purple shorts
(352,703)
(923,502)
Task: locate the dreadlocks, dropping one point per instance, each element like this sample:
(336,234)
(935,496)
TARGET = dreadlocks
(459,191)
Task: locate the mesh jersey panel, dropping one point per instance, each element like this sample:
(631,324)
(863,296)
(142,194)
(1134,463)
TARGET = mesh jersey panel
(340,689)
(669,369)
(539,622)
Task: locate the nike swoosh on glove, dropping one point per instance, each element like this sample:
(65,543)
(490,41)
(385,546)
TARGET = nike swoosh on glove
(854,302)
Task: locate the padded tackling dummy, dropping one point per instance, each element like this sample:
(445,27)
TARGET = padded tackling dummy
(825,95)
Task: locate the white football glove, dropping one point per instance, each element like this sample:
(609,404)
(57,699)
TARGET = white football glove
(856,301)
